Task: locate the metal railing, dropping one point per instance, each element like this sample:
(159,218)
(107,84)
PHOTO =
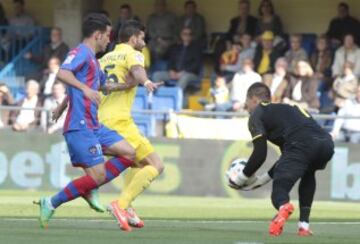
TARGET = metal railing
(166,114)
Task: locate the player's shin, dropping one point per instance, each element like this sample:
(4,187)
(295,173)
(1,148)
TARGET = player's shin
(138,184)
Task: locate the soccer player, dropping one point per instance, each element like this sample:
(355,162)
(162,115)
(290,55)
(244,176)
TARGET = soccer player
(86,138)
(124,63)
(305,148)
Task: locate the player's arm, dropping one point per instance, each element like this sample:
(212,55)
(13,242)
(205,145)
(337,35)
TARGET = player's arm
(140,77)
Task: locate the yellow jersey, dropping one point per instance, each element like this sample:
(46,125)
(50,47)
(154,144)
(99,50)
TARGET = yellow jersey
(117,64)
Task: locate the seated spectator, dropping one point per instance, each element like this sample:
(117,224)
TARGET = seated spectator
(348,52)
(23,20)
(125,14)
(268,20)
(27,118)
(243,23)
(266,54)
(185,62)
(241,83)
(232,61)
(295,53)
(5,100)
(345,86)
(302,89)
(343,24)
(51,103)
(321,59)
(3,23)
(278,82)
(56,48)
(50,77)
(193,20)
(162,30)
(218,96)
(348,129)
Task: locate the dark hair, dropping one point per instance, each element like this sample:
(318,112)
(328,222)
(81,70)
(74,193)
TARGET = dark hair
(129,29)
(259,90)
(125,6)
(19,1)
(94,22)
(190,2)
(271,5)
(344,5)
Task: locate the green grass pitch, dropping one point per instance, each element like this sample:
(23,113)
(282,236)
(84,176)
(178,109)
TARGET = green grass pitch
(170,219)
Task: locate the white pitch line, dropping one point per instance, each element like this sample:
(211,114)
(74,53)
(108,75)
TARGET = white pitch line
(178,221)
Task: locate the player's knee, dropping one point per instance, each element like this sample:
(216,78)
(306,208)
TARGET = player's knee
(130,153)
(160,167)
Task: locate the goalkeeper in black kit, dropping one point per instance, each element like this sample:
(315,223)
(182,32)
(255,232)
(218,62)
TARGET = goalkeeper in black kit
(305,148)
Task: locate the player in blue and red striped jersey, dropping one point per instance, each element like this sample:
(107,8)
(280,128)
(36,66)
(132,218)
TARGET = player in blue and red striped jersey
(86,138)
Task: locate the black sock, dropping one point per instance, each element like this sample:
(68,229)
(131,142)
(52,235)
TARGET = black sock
(305,214)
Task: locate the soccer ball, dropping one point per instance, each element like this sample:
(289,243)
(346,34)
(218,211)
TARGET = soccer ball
(236,166)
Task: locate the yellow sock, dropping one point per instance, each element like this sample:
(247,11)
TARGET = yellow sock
(129,175)
(140,181)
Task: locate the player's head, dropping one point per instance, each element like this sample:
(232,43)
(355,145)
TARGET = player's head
(97,26)
(257,93)
(133,33)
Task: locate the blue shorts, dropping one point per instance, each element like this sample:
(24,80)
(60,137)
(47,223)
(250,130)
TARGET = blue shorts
(86,146)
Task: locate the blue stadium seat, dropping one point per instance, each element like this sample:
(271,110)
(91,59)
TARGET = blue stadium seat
(146,124)
(167,98)
(309,42)
(141,101)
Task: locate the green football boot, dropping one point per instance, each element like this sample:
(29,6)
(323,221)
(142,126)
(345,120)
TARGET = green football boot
(46,212)
(93,200)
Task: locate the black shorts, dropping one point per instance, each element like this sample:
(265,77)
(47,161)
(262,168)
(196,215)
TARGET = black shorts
(304,153)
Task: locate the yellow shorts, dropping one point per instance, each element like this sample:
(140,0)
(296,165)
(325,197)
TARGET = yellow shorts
(130,132)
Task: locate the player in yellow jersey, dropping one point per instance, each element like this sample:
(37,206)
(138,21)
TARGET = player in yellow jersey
(125,65)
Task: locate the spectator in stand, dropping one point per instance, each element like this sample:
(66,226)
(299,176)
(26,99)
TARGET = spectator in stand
(125,14)
(241,83)
(218,96)
(193,20)
(51,103)
(343,24)
(243,23)
(348,129)
(302,89)
(232,61)
(278,82)
(345,86)
(268,20)
(49,78)
(265,54)
(296,52)
(185,62)
(3,23)
(56,48)
(21,19)
(27,118)
(348,52)
(162,30)
(321,59)
(6,99)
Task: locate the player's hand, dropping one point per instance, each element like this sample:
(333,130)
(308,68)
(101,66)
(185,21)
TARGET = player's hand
(240,181)
(151,86)
(258,182)
(93,95)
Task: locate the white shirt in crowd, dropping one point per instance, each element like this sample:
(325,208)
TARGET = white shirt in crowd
(49,83)
(241,83)
(277,79)
(351,108)
(297,94)
(50,104)
(27,116)
(342,55)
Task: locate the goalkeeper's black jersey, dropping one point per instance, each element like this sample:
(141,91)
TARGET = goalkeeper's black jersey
(280,123)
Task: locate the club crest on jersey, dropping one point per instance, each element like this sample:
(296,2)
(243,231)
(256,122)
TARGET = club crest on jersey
(139,57)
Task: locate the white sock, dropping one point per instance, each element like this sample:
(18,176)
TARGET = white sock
(304,225)
(49,204)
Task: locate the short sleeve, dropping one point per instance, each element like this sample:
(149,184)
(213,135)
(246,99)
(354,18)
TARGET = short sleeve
(255,124)
(74,60)
(135,58)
